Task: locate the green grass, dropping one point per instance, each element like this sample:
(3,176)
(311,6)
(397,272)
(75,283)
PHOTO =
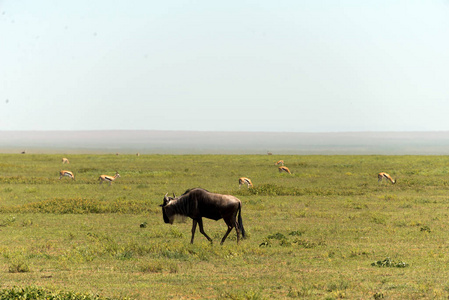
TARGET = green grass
(328,231)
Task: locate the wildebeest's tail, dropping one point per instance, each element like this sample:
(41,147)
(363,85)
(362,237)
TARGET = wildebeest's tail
(241,229)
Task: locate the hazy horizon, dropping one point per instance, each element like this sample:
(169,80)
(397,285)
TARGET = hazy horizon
(208,142)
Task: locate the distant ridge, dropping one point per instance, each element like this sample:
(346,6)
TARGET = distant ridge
(199,142)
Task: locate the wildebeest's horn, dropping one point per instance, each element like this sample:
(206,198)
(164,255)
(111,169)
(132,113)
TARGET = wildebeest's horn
(165,197)
(174,196)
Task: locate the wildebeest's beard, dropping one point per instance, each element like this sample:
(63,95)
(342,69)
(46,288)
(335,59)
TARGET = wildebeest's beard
(164,206)
(169,214)
(166,219)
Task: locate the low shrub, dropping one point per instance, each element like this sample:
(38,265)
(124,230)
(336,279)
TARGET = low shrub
(19,266)
(387,262)
(81,206)
(37,293)
(153,267)
(277,190)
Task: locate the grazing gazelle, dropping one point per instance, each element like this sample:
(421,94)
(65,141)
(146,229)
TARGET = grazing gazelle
(284,169)
(279,163)
(65,160)
(244,180)
(108,178)
(63,173)
(385,176)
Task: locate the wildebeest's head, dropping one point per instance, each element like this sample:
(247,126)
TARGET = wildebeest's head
(167,211)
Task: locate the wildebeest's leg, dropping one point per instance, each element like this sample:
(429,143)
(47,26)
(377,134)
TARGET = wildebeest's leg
(230,226)
(193,230)
(226,235)
(200,222)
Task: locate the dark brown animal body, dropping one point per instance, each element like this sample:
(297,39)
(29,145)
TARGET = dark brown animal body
(198,204)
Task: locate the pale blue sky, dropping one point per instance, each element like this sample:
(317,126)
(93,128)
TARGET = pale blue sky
(299,66)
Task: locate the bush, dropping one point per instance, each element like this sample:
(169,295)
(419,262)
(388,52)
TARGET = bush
(81,206)
(155,267)
(37,293)
(19,266)
(276,190)
(387,262)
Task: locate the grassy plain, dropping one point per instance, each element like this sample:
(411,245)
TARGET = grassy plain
(314,234)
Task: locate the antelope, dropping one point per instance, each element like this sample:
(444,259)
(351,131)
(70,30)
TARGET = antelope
(198,204)
(108,178)
(63,173)
(284,169)
(65,160)
(385,176)
(279,163)
(244,180)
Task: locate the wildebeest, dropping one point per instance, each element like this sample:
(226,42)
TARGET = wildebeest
(198,203)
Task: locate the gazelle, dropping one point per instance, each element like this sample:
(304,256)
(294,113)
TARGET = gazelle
(244,180)
(108,178)
(284,169)
(279,163)
(385,176)
(65,160)
(63,173)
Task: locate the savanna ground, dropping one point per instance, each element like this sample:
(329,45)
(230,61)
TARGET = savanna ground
(327,231)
